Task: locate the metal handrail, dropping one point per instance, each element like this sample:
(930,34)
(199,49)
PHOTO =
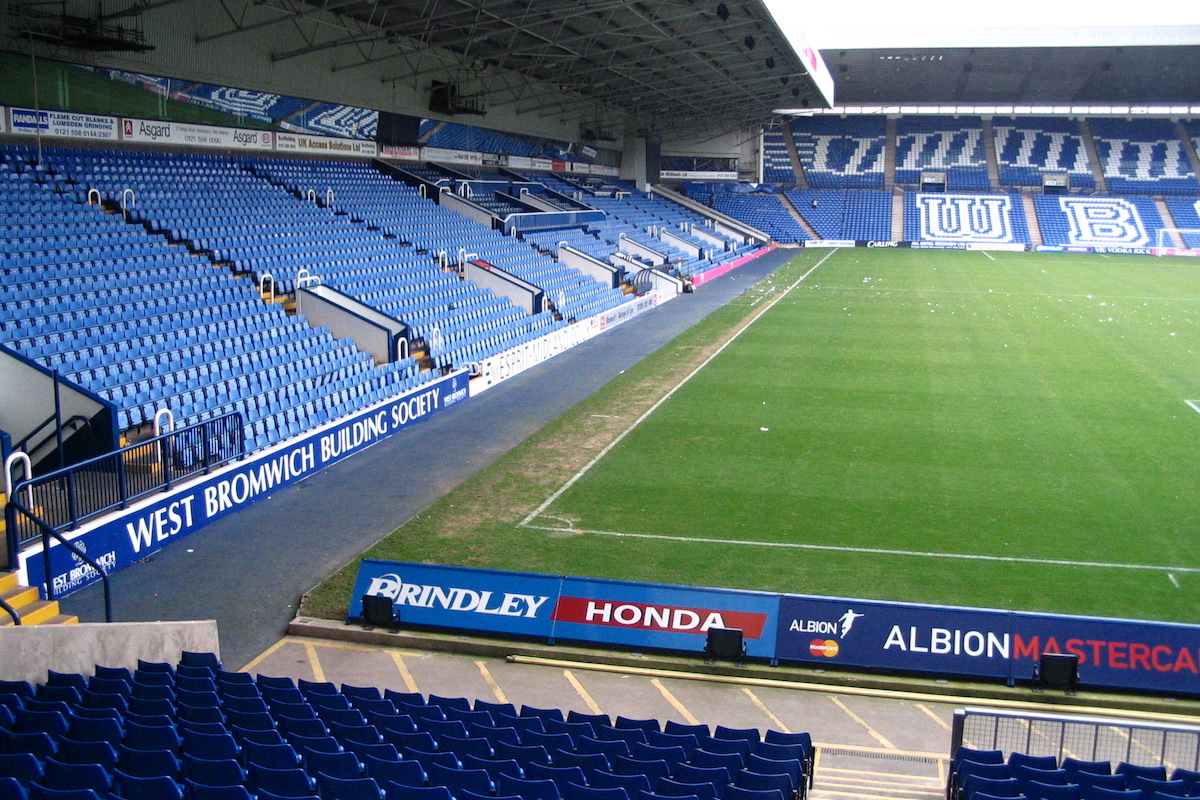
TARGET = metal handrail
(48,532)
(12,612)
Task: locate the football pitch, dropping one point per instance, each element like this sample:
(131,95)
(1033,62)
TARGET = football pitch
(1000,430)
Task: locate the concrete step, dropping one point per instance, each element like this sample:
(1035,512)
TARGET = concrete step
(29,605)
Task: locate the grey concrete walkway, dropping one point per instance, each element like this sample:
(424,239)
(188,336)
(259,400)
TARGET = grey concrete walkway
(249,570)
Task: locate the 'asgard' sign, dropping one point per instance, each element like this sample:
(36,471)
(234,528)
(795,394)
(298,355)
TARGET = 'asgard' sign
(155,522)
(903,637)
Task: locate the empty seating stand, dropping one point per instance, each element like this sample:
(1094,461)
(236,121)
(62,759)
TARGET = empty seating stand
(217,735)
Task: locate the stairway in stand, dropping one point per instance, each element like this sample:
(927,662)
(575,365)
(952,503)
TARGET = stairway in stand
(29,605)
(853,774)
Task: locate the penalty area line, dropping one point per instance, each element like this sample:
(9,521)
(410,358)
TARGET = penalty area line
(833,548)
(537,512)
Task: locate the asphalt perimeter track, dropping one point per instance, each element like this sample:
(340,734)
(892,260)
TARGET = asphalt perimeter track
(249,570)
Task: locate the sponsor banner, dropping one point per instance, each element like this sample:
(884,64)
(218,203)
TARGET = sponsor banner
(882,244)
(608,172)
(400,153)
(662,617)
(148,526)
(696,175)
(446,156)
(543,164)
(822,631)
(1125,654)
(588,152)
(1048,248)
(1126,251)
(942,640)
(578,609)
(184,133)
(1010,247)
(938,245)
(327,145)
(520,162)
(503,366)
(627,311)
(3,120)
(455,597)
(829,243)
(558,165)
(62,123)
(1176,251)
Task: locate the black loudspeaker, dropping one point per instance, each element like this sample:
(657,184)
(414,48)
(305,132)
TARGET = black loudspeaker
(1057,671)
(725,643)
(378,611)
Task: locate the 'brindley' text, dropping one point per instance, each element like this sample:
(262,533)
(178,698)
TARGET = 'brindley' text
(455,598)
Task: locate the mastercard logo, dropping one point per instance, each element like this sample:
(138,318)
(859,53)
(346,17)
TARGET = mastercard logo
(823,647)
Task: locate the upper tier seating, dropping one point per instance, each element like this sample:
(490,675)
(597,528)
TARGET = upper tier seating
(841,152)
(1143,156)
(274,736)
(953,145)
(1027,148)
(858,215)
(777,163)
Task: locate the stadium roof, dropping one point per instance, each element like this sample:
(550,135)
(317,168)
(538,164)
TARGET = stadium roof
(660,63)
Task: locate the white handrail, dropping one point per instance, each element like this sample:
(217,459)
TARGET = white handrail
(328,197)
(93,192)
(421,189)
(163,412)
(311,194)
(262,286)
(131,195)
(23,459)
(304,278)
(443,259)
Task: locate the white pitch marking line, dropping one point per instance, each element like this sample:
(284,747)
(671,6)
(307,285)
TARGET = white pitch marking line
(1174,580)
(575,478)
(1195,405)
(1054,562)
(989,255)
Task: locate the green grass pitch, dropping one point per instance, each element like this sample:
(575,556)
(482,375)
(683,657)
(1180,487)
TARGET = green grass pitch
(1005,430)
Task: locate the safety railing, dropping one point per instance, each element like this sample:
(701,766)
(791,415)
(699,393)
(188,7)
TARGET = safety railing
(1082,737)
(63,499)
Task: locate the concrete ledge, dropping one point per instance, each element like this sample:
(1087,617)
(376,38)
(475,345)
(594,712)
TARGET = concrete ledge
(803,678)
(30,650)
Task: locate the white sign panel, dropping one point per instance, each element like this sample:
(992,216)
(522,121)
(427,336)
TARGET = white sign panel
(62,123)
(451,156)
(189,135)
(400,152)
(328,145)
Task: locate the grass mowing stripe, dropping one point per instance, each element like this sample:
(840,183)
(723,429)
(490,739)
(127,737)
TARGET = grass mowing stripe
(524,523)
(875,551)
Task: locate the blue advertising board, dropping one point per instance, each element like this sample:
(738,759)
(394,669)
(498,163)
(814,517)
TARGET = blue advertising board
(152,524)
(661,616)
(1125,654)
(454,597)
(578,609)
(859,633)
(990,644)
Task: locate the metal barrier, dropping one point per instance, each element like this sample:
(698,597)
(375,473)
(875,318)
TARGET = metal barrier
(63,499)
(1082,737)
